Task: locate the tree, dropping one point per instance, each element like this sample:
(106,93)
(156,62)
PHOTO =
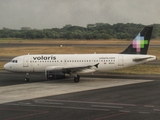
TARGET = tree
(91,31)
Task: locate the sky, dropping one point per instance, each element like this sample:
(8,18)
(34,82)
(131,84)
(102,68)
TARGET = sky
(42,14)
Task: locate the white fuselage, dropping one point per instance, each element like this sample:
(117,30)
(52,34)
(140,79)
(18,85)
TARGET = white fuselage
(39,62)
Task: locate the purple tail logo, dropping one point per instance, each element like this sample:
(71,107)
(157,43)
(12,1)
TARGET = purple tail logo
(139,42)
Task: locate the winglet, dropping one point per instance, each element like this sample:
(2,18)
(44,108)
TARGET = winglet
(140,43)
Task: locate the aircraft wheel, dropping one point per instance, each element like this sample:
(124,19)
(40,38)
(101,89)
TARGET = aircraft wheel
(76,79)
(26,79)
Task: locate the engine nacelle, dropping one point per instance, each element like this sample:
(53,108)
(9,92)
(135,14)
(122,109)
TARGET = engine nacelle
(55,74)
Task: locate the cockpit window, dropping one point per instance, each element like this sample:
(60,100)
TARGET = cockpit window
(14,61)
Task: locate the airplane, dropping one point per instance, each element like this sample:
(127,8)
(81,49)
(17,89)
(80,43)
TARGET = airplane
(60,66)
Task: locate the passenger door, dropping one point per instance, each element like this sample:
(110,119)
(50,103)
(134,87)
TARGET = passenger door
(26,62)
(120,61)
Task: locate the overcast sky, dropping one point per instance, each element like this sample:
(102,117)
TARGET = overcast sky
(41,14)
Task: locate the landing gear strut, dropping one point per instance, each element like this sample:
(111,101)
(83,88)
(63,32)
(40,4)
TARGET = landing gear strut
(76,79)
(26,77)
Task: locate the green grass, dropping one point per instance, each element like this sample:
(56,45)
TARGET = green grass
(61,41)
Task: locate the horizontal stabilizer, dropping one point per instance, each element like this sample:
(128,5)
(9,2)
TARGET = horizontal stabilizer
(141,59)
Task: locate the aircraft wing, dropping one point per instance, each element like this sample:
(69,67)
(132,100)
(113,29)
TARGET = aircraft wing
(74,69)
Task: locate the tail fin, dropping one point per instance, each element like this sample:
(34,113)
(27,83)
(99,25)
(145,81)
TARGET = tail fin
(140,43)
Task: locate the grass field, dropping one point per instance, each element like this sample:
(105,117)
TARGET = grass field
(59,41)
(139,69)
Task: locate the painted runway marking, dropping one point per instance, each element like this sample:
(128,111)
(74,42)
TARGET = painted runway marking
(23,103)
(107,106)
(43,101)
(103,103)
(28,115)
(33,113)
(144,112)
(126,111)
(122,104)
(87,105)
(148,106)
(80,108)
(96,107)
(110,116)
(156,110)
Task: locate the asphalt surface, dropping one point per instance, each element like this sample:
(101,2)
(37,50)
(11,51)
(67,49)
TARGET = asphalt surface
(127,102)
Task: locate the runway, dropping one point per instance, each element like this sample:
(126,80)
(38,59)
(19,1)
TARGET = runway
(96,97)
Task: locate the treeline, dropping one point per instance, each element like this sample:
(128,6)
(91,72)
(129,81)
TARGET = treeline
(91,31)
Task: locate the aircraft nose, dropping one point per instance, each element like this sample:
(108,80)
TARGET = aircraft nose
(6,66)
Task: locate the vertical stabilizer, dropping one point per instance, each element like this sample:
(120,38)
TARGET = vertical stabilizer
(140,43)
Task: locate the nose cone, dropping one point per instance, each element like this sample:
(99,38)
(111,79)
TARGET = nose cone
(6,66)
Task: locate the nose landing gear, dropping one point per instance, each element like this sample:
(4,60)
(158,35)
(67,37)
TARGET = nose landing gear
(27,77)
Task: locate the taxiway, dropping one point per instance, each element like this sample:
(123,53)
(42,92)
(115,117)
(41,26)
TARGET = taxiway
(96,97)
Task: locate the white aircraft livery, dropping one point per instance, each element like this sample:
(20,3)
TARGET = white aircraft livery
(60,66)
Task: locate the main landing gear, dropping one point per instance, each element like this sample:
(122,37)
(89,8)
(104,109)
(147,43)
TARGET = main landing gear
(26,77)
(76,78)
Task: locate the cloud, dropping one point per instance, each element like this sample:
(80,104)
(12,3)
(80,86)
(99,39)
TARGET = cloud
(57,13)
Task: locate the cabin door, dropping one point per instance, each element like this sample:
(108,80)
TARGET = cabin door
(120,61)
(25,62)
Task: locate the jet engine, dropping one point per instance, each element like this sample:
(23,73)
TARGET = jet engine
(56,74)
